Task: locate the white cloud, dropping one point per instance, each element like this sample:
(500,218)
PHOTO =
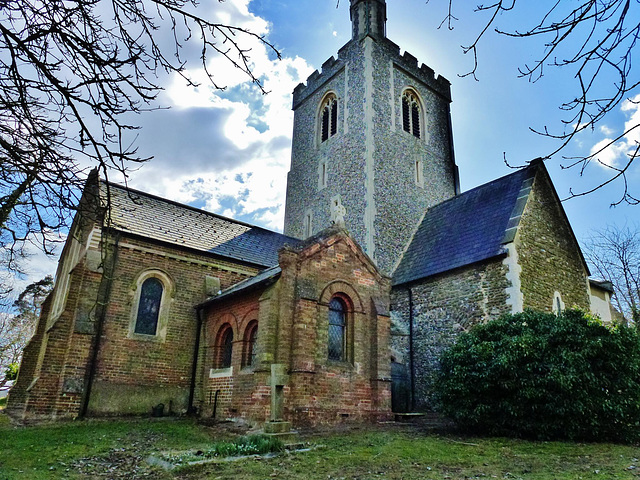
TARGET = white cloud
(606,130)
(226,151)
(610,155)
(617,154)
(35,265)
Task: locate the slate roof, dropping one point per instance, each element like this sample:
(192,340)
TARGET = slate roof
(163,220)
(264,277)
(468,228)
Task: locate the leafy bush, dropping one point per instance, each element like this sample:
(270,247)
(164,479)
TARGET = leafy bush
(544,376)
(11,373)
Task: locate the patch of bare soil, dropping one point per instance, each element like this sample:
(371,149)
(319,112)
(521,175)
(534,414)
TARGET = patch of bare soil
(129,461)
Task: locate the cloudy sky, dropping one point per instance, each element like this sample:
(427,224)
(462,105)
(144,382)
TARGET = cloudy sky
(229,151)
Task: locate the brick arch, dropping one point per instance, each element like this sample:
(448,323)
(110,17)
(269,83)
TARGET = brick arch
(222,354)
(229,318)
(247,318)
(338,287)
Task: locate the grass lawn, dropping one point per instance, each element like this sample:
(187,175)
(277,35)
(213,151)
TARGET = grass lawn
(118,449)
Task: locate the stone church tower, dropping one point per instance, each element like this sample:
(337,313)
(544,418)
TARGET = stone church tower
(372,142)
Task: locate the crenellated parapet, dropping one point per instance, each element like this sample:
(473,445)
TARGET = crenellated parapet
(422,72)
(316,79)
(406,61)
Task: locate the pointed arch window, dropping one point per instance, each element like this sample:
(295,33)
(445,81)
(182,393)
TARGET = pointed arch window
(558,304)
(150,312)
(411,113)
(149,307)
(328,117)
(225,346)
(250,335)
(337,329)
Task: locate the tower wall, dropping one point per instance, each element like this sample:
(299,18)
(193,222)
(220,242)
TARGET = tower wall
(383,176)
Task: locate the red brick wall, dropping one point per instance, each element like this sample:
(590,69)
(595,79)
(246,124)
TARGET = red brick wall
(293,331)
(132,374)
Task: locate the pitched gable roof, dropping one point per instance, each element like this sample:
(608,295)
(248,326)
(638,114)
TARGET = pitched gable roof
(264,278)
(467,228)
(159,219)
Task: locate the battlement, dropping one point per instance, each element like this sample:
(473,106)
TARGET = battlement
(405,61)
(316,79)
(423,72)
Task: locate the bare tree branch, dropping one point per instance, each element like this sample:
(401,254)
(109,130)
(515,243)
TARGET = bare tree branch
(72,73)
(614,255)
(594,40)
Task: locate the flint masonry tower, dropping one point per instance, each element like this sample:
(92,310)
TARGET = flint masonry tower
(372,142)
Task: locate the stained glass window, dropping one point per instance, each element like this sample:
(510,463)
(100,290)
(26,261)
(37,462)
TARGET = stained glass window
(250,343)
(337,325)
(149,307)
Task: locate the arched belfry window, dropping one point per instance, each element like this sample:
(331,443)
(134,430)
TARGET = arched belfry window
(411,113)
(328,117)
(337,329)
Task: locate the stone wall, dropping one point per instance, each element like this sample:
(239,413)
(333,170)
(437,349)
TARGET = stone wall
(548,253)
(442,307)
(370,155)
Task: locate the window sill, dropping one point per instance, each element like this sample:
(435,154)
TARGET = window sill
(220,372)
(328,141)
(342,364)
(146,338)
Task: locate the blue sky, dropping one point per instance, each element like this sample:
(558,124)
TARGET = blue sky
(229,152)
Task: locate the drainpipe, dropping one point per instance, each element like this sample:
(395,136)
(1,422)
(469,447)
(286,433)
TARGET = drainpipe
(104,293)
(194,368)
(411,363)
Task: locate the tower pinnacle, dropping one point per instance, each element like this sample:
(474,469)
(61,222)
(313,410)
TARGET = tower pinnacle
(368,17)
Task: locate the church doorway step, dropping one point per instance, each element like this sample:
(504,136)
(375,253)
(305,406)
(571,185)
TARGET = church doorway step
(400,388)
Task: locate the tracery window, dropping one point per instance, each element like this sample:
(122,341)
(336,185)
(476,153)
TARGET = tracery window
(149,307)
(328,117)
(224,346)
(337,329)
(250,334)
(411,113)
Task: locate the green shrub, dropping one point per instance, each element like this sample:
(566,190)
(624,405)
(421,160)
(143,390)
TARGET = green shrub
(544,376)
(11,373)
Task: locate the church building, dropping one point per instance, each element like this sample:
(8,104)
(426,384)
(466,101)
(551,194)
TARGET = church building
(383,262)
